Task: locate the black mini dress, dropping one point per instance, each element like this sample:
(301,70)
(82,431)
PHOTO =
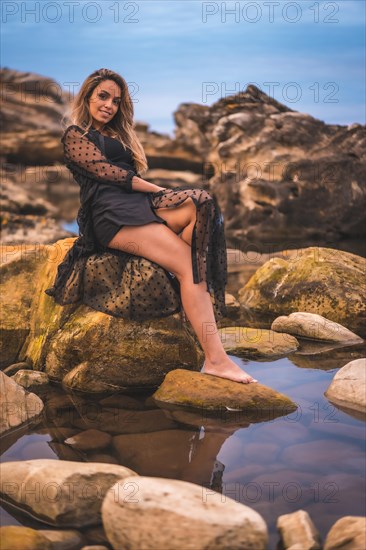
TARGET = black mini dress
(113,207)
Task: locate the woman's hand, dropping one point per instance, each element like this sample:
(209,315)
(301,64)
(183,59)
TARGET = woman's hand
(139,184)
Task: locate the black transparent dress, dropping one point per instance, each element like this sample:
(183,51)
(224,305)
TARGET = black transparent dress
(119,283)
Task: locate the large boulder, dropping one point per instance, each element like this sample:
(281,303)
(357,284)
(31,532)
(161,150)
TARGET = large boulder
(96,352)
(348,387)
(207,392)
(280,175)
(84,348)
(174,514)
(60,493)
(324,281)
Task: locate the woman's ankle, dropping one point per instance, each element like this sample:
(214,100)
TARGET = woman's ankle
(216,358)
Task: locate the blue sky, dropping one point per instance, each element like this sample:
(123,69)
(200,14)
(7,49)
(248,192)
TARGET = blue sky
(308,55)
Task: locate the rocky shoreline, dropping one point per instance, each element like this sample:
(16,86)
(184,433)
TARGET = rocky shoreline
(47,344)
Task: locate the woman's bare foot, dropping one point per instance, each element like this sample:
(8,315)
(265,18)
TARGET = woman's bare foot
(226,368)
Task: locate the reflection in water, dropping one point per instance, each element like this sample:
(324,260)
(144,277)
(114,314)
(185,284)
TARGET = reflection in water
(311,459)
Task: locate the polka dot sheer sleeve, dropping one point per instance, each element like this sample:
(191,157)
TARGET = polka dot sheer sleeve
(86,159)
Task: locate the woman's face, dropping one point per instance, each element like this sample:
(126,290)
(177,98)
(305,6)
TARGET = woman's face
(104,103)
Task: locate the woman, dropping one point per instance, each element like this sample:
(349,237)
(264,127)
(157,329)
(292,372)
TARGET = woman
(179,229)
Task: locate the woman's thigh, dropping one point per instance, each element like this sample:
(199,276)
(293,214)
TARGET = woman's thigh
(156,242)
(178,217)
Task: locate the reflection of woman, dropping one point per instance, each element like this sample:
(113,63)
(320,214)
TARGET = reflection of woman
(179,229)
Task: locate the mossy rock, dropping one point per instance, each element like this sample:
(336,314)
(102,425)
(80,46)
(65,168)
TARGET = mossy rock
(25,538)
(318,280)
(207,392)
(257,343)
(95,352)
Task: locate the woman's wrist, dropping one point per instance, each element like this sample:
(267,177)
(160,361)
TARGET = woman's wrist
(139,184)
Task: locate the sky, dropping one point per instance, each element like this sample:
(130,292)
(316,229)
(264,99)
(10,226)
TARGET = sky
(310,56)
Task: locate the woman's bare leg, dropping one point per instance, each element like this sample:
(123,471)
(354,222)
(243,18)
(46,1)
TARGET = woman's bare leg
(160,244)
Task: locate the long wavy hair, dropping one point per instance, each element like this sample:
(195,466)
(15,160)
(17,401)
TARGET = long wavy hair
(120,127)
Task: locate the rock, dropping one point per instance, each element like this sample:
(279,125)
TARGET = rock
(64,540)
(95,352)
(348,387)
(170,509)
(232,305)
(26,217)
(95,535)
(19,407)
(297,529)
(86,349)
(207,392)
(256,342)
(89,440)
(15,367)
(15,537)
(280,175)
(326,356)
(348,533)
(324,281)
(314,326)
(19,273)
(32,380)
(94,547)
(60,493)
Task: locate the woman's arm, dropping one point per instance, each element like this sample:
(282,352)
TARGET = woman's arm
(83,156)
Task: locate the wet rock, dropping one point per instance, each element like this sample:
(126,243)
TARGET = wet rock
(348,533)
(15,367)
(326,356)
(314,326)
(19,407)
(31,380)
(16,537)
(89,440)
(60,493)
(256,343)
(207,392)
(324,281)
(169,509)
(348,387)
(297,530)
